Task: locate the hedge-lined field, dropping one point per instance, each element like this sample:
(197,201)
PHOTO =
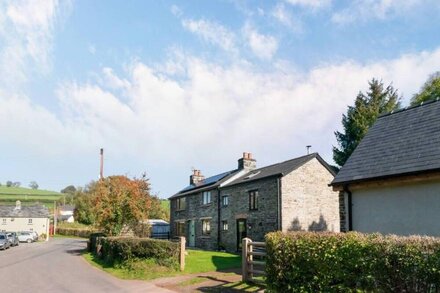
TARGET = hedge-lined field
(329,262)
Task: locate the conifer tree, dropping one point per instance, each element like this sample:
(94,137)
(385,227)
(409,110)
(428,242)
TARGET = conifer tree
(360,117)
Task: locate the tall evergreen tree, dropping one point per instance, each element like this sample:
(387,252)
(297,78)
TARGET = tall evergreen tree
(367,107)
(429,91)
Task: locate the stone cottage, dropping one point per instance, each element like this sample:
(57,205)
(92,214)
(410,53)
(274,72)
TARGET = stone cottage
(391,182)
(217,212)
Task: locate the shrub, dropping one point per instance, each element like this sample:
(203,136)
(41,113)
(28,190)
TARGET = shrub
(330,262)
(78,232)
(125,249)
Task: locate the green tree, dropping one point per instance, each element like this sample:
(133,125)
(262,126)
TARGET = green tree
(69,189)
(360,117)
(429,91)
(121,203)
(84,211)
(33,185)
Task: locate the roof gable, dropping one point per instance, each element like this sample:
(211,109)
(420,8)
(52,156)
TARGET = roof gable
(400,143)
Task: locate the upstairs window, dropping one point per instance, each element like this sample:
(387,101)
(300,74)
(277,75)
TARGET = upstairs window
(180,203)
(29,221)
(225,200)
(206,226)
(4,222)
(253,200)
(206,197)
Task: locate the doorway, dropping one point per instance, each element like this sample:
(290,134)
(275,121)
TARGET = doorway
(191,233)
(241,232)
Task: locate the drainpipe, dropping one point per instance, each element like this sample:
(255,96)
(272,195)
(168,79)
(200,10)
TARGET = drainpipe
(218,217)
(280,226)
(349,208)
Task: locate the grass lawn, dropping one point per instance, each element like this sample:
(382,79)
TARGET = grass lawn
(197,261)
(200,261)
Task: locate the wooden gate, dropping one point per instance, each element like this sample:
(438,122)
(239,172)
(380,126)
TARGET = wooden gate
(253,262)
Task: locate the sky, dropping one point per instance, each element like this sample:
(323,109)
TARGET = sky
(168,86)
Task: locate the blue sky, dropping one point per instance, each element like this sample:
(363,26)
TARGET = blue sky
(165,86)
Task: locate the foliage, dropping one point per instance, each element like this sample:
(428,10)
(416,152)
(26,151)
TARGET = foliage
(429,91)
(9,183)
(77,232)
(123,249)
(159,210)
(69,189)
(84,207)
(120,202)
(351,262)
(16,184)
(33,185)
(361,116)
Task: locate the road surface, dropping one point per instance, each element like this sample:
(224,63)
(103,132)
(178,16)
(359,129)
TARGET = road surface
(57,266)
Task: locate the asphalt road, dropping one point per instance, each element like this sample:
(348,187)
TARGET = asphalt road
(57,266)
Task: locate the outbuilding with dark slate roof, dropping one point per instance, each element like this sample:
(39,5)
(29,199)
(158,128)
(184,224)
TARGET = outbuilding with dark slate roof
(219,211)
(391,182)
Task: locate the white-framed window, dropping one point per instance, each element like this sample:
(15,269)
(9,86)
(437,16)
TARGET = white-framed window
(3,221)
(225,200)
(206,227)
(180,229)
(29,221)
(225,226)
(206,197)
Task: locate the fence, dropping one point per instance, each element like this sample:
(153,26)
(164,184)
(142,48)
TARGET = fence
(253,261)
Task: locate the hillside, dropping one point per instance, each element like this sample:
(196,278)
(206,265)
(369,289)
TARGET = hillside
(9,195)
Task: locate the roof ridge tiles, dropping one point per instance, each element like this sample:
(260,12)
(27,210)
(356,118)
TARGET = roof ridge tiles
(409,107)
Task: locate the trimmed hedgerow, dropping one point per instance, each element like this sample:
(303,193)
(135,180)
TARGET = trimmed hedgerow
(346,262)
(78,232)
(123,249)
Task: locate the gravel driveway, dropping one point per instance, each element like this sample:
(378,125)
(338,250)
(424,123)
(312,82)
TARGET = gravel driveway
(57,266)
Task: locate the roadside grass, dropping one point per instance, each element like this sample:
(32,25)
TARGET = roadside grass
(74,225)
(65,236)
(197,261)
(192,281)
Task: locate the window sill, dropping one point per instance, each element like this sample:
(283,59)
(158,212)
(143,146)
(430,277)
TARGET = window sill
(206,204)
(180,210)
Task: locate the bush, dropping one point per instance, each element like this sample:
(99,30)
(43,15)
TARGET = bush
(84,233)
(330,262)
(125,249)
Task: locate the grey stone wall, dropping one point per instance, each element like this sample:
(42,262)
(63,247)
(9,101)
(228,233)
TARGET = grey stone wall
(196,210)
(342,212)
(260,221)
(308,203)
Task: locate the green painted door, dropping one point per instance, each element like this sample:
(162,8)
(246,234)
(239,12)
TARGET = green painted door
(192,233)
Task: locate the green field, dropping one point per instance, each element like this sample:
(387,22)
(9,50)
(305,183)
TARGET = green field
(27,196)
(165,203)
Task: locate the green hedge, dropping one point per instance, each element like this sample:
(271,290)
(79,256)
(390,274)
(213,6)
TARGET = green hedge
(120,249)
(347,262)
(85,233)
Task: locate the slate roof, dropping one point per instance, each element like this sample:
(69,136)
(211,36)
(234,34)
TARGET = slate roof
(37,211)
(279,169)
(402,143)
(206,184)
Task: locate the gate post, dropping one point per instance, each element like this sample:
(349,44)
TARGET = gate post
(182,253)
(244,260)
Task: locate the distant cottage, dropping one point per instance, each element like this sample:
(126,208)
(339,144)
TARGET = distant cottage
(25,218)
(391,182)
(219,211)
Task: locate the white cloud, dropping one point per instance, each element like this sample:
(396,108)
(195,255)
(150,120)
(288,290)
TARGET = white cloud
(363,10)
(26,31)
(314,4)
(263,46)
(281,14)
(176,11)
(211,32)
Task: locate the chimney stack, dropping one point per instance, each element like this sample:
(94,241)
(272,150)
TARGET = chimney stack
(196,177)
(247,162)
(101,167)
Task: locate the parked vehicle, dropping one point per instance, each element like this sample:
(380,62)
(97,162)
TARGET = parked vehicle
(25,236)
(35,235)
(12,237)
(4,242)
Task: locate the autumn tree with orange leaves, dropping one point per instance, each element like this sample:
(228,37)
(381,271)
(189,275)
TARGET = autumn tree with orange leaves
(121,202)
